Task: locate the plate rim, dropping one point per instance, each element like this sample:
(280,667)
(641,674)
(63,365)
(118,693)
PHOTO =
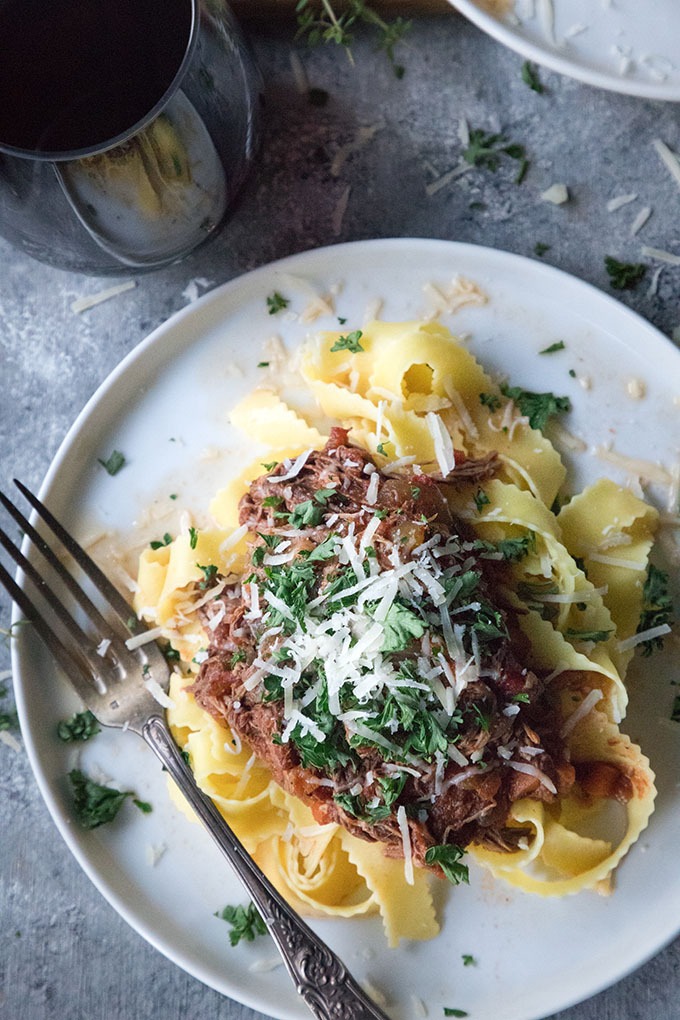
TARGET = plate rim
(64,823)
(610,82)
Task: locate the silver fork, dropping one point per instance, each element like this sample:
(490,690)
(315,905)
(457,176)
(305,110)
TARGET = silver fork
(110,683)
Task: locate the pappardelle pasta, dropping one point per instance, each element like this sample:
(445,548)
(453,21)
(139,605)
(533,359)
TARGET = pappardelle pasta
(396,647)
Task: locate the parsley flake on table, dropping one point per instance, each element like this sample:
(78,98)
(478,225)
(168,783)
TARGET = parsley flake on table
(452,1011)
(81,726)
(540,248)
(9,721)
(246,923)
(94,804)
(487,150)
(350,343)
(276,303)
(114,463)
(530,77)
(537,407)
(624,275)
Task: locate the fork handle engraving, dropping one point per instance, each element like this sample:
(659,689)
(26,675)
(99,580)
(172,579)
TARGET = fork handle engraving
(321,978)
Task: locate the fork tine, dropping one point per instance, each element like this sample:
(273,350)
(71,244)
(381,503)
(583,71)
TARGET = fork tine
(74,588)
(85,562)
(42,586)
(63,656)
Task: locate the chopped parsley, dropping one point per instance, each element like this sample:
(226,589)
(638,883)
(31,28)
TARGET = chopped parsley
(452,1011)
(114,463)
(596,636)
(540,248)
(511,549)
(9,721)
(559,345)
(276,303)
(209,575)
(490,400)
(624,275)
(402,626)
(530,77)
(81,726)
(193,538)
(487,151)
(468,960)
(307,513)
(246,923)
(158,543)
(539,408)
(350,343)
(481,500)
(448,857)
(657,608)
(94,805)
(143,806)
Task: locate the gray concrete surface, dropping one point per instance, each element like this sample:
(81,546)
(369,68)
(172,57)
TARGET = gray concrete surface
(64,953)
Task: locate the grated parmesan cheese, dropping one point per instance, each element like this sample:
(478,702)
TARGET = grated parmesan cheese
(84,303)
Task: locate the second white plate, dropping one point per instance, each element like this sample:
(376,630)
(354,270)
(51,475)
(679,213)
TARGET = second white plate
(624,46)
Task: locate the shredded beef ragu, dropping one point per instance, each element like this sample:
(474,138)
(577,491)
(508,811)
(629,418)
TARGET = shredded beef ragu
(447,802)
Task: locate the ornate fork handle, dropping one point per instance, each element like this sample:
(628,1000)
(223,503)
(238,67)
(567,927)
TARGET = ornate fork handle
(322,980)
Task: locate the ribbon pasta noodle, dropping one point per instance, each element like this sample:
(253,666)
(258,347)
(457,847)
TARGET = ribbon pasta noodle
(413,397)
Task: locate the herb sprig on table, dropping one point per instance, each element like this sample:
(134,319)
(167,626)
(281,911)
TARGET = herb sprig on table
(326,25)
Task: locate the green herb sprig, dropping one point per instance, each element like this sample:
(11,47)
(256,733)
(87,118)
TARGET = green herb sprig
(326,25)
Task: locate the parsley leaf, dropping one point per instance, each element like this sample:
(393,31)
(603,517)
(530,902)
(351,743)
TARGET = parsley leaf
(481,500)
(401,626)
(448,857)
(306,513)
(82,726)
(511,549)
(94,804)
(209,575)
(487,150)
(530,77)
(490,400)
(114,463)
(624,275)
(559,345)
(276,303)
(246,923)
(452,1011)
(158,543)
(350,343)
(657,607)
(9,721)
(537,407)
(588,635)
(540,248)
(143,806)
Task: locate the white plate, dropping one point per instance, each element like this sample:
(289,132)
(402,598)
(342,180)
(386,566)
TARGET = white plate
(624,45)
(163,408)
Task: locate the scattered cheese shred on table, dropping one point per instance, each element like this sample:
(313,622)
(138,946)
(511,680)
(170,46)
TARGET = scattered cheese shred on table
(82,304)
